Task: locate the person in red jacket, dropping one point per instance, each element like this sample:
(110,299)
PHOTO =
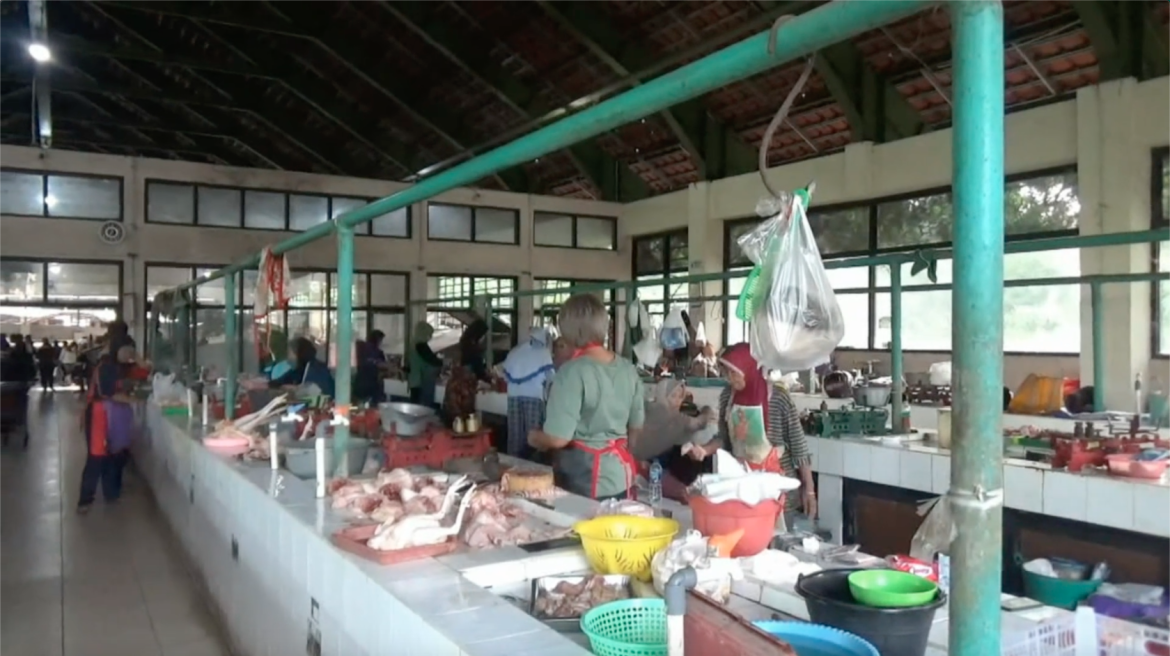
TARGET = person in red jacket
(109,425)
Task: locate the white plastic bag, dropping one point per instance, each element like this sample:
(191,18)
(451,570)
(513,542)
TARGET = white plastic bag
(795,321)
(714,574)
(700,335)
(937,531)
(648,351)
(674,331)
(940,373)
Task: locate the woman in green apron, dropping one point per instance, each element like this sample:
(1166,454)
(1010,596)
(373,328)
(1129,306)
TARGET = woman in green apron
(594,407)
(760,425)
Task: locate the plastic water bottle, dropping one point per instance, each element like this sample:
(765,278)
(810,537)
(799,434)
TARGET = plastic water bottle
(655,484)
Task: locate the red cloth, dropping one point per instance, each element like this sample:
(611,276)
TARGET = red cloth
(756,389)
(619,448)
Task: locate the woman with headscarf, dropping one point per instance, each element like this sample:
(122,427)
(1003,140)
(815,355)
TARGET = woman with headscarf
(471,349)
(526,369)
(667,431)
(760,425)
(594,408)
(423,366)
(307,371)
(371,362)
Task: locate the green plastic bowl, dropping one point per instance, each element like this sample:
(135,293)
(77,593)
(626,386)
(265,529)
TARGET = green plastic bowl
(888,588)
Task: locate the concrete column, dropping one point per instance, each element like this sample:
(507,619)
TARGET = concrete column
(705,242)
(1113,170)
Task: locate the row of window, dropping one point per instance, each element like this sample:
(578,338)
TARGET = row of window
(1160,294)
(26,193)
(32,282)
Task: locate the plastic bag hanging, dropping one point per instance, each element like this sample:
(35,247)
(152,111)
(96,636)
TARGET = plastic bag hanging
(674,331)
(794,319)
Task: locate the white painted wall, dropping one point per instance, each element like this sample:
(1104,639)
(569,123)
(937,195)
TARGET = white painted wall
(177,244)
(1107,131)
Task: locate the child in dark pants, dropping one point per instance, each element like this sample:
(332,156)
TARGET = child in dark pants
(109,425)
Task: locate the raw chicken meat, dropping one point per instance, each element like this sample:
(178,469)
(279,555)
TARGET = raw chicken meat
(570,599)
(394,482)
(389,511)
(495,523)
(423,529)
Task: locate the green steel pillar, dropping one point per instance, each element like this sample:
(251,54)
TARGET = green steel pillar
(231,330)
(896,346)
(1098,304)
(976,493)
(344,374)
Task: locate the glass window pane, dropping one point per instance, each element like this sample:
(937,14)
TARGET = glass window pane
(552,229)
(394,325)
(89,282)
(22,194)
(219,207)
(1044,204)
(449,287)
(211,347)
(309,289)
(1042,319)
(264,210)
(679,252)
(1163,299)
(312,324)
(648,255)
(170,203)
(387,290)
(394,224)
(21,281)
(926,321)
(596,233)
(304,212)
(485,286)
(850,277)
(855,311)
(360,281)
(209,293)
(915,221)
(84,197)
(341,204)
(737,257)
(360,327)
(249,287)
(162,278)
(496,226)
(448,222)
(841,231)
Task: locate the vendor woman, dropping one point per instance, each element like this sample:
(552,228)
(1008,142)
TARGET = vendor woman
(308,369)
(594,407)
(526,369)
(760,425)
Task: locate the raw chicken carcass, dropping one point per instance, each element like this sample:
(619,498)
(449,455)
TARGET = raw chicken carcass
(420,530)
(389,512)
(393,482)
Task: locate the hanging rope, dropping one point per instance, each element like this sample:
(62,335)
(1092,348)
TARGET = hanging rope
(782,113)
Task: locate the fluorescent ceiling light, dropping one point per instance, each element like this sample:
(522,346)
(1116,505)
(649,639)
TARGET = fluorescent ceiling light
(39,52)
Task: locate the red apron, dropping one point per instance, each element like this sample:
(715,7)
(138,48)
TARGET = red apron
(770,464)
(616,447)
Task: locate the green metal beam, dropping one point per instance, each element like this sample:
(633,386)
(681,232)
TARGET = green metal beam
(799,37)
(614,179)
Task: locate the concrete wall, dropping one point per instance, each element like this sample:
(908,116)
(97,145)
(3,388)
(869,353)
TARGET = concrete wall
(177,244)
(1107,132)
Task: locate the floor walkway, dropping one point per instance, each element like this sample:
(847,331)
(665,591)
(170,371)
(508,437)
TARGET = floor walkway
(110,583)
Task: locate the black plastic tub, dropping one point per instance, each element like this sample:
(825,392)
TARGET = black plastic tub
(894,631)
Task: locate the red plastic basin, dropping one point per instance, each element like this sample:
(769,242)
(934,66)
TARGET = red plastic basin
(758,522)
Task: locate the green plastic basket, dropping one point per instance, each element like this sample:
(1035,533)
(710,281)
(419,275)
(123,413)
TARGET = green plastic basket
(631,627)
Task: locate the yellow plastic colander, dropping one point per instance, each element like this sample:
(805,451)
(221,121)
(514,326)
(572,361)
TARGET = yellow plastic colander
(621,544)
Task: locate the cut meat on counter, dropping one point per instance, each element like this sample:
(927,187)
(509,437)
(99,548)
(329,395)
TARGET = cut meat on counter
(573,599)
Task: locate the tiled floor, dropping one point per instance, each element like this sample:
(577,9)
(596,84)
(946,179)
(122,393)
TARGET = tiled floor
(108,583)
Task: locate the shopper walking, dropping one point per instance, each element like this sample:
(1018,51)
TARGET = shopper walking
(108,424)
(46,365)
(526,369)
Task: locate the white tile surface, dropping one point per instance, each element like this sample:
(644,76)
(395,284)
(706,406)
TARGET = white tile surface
(830,457)
(1065,495)
(1109,502)
(1151,509)
(916,472)
(1023,488)
(856,460)
(886,466)
(940,470)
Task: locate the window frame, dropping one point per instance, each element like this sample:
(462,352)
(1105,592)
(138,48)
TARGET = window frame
(44,301)
(513,312)
(45,175)
(365,230)
(667,270)
(574,241)
(474,220)
(1159,220)
(873,289)
(543,313)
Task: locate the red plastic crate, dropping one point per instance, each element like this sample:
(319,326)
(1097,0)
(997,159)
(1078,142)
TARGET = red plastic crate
(434,448)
